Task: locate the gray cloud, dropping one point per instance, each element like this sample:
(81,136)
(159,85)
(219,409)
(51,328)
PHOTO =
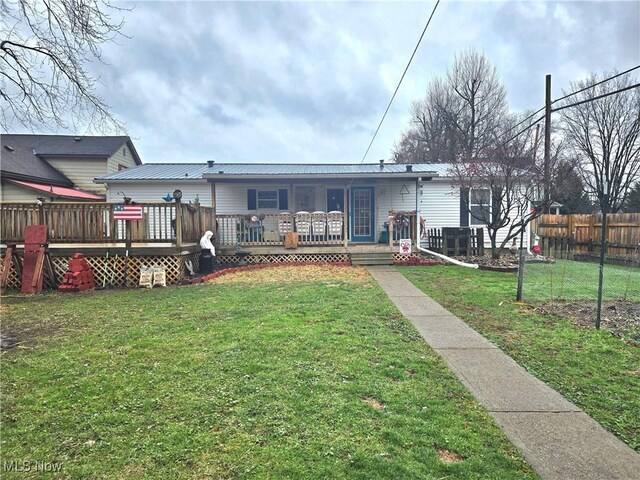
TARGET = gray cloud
(285,82)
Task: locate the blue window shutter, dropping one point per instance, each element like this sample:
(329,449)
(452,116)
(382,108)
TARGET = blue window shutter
(464,207)
(283,199)
(252,203)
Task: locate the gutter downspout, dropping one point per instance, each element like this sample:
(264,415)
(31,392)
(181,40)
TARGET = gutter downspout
(435,254)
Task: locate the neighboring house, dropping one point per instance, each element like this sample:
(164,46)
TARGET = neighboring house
(60,167)
(364,193)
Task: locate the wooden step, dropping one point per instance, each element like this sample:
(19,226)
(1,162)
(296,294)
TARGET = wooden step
(372,258)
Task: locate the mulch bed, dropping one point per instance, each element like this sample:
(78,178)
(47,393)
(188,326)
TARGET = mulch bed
(621,317)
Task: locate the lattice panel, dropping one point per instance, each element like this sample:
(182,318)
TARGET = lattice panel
(112,270)
(14,282)
(286,258)
(402,257)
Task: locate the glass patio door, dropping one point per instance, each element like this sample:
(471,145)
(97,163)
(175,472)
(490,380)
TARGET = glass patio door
(362,214)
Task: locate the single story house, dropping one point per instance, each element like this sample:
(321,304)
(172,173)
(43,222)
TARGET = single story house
(60,167)
(327,204)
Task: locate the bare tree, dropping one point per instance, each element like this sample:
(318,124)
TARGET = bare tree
(45,50)
(604,135)
(459,115)
(503,187)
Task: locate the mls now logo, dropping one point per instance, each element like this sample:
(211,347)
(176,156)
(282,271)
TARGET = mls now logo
(31,466)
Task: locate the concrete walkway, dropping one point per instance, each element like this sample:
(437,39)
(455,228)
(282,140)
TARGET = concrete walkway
(558,439)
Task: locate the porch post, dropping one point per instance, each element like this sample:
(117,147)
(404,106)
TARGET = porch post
(178,222)
(417,226)
(292,199)
(345,216)
(214,219)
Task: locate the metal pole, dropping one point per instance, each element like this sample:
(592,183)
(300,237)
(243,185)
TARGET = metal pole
(520,266)
(603,246)
(547,141)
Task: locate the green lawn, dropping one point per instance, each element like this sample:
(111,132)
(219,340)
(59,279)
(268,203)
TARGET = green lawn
(277,377)
(569,279)
(594,369)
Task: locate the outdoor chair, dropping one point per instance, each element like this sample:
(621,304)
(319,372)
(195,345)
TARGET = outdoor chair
(318,225)
(285,224)
(303,225)
(334,225)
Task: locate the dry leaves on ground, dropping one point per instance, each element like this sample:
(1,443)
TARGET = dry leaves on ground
(374,403)
(296,274)
(447,456)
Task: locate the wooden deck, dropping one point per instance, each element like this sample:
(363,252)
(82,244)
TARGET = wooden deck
(309,250)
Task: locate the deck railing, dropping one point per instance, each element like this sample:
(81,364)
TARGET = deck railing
(317,228)
(93,222)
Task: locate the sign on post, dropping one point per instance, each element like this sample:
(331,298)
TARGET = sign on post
(405,246)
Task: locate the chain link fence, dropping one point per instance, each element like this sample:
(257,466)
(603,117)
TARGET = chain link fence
(565,282)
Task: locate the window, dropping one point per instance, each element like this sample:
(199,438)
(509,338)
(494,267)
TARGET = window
(121,167)
(267,199)
(479,206)
(124,152)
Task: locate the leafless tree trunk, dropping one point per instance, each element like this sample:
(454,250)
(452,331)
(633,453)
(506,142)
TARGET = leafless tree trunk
(604,136)
(45,47)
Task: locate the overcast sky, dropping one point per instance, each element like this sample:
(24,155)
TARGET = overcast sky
(309,81)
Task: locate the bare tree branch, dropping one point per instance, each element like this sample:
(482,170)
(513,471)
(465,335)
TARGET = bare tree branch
(45,46)
(604,136)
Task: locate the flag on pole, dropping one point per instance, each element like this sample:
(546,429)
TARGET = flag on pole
(127,212)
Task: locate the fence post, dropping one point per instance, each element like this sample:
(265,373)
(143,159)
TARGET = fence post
(178,222)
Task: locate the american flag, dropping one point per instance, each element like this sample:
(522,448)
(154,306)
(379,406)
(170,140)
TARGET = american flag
(127,212)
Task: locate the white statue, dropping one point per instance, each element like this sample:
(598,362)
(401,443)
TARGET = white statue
(205,243)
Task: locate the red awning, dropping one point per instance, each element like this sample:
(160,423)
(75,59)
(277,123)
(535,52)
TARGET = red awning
(53,191)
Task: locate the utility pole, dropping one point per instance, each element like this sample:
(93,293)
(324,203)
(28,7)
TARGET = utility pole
(547,141)
(603,248)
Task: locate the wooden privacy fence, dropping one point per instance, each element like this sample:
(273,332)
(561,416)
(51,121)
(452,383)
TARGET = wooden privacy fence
(582,233)
(456,241)
(92,222)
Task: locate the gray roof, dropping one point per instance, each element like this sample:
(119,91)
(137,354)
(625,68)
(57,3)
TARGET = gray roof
(22,155)
(187,171)
(159,171)
(70,145)
(18,161)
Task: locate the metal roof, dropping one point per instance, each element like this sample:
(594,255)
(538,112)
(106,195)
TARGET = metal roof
(158,171)
(185,171)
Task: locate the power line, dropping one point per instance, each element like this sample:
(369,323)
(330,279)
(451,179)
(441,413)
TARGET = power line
(400,82)
(523,130)
(595,85)
(523,121)
(596,98)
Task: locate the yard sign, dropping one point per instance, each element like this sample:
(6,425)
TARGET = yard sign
(405,246)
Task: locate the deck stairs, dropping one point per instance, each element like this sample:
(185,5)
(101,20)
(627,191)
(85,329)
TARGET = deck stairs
(372,258)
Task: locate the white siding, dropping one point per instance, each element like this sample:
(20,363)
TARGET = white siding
(121,157)
(153,192)
(14,193)
(389,197)
(82,171)
(440,204)
(440,207)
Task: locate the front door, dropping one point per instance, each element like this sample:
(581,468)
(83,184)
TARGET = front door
(335,200)
(362,214)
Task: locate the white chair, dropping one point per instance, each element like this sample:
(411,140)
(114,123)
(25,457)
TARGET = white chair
(285,223)
(334,225)
(318,225)
(303,225)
